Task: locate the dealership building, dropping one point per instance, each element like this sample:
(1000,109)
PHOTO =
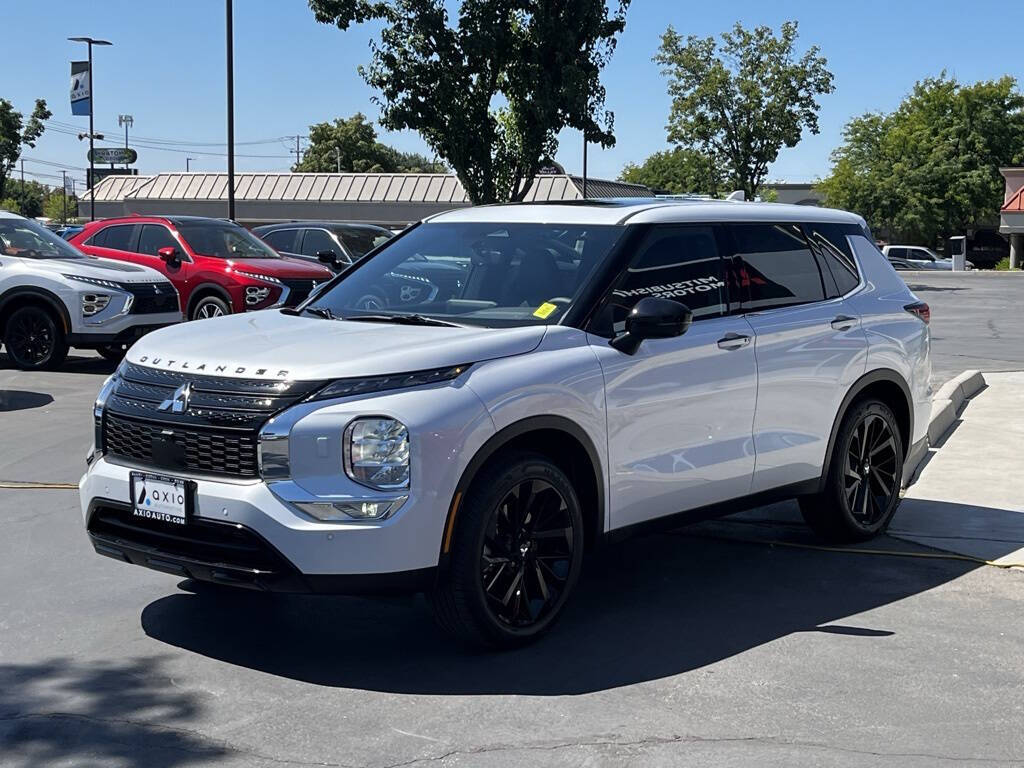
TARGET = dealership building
(389,199)
(1011,216)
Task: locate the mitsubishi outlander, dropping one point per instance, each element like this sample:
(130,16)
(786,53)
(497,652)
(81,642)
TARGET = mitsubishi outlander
(588,370)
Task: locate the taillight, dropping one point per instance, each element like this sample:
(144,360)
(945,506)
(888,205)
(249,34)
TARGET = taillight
(921,310)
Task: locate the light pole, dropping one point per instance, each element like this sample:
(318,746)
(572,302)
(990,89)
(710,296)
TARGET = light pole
(125,120)
(89,41)
(231,108)
(64,194)
(187,161)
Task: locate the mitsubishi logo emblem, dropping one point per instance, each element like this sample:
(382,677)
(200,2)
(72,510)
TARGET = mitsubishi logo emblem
(178,402)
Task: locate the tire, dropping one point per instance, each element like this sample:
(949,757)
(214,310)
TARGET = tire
(209,307)
(372,301)
(34,339)
(113,352)
(516,555)
(862,489)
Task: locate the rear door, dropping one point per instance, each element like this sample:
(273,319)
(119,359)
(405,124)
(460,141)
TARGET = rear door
(284,241)
(680,411)
(809,348)
(116,241)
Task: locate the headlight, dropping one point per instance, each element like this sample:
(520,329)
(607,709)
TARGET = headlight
(94,303)
(254,276)
(376,453)
(97,281)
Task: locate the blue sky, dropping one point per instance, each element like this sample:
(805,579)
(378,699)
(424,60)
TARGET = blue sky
(166,68)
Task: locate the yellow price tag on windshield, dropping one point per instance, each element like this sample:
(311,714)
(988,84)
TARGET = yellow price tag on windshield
(544,310)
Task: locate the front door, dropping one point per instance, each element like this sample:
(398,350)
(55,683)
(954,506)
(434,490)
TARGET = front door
(680,411)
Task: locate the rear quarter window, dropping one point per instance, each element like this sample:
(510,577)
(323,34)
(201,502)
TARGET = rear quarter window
(832,242)
(775,266)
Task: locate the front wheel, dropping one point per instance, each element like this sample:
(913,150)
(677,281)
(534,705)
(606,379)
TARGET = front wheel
(34,339)
(209,307)
(862,489)
(516,554)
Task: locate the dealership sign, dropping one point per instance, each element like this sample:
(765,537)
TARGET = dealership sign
(113,155)
(81,90)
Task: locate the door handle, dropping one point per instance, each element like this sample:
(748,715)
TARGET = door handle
(844,322)
(733,341)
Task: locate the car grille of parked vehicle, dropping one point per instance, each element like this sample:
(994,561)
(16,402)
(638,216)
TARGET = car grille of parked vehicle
(206,424)
(298,290)
(152,298)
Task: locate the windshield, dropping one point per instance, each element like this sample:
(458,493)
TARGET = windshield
(27,239)
(224,241)
(362,240)
(494,275)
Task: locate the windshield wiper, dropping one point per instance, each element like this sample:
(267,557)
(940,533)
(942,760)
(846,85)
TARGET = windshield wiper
(323,312)
(401,320)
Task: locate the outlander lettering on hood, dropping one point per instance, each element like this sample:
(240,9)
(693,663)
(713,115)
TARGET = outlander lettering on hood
(187,365)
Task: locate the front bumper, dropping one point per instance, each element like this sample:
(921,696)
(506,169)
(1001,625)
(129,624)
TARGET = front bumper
(241,534)
(128,331)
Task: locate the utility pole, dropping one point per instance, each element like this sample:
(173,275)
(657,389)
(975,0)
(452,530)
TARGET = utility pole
(584,165)
(64,194)
(298,148)
(231,108)
(125,120)
(187,161)
(337,156)
(92,101)
(23,179)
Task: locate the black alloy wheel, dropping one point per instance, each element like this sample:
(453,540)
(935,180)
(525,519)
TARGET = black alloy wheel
(516,553)
(871,478)
(34,340)
(527,553)
(865,473)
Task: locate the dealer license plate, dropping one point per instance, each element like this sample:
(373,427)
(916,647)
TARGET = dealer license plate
(159,498)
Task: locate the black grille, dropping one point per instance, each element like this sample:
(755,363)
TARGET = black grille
(298,291)
(216,434)
(153,298)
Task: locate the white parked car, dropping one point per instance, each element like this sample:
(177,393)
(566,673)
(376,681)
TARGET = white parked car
(908,257)
(603,367)
(53,296)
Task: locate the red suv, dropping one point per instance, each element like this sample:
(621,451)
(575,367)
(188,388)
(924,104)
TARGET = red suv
(217,266)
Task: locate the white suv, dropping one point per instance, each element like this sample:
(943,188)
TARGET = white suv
(53,296)
(553,376)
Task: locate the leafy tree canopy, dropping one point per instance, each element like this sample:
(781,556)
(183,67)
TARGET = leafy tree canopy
(489,93)
(930,169)
(53,206)
(678,171)
(743,99)
(28,197)
(16,133)
(351,145)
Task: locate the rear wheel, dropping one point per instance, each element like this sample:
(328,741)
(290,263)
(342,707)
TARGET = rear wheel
(862,490)
(34,339)
(516,556)
(210,306)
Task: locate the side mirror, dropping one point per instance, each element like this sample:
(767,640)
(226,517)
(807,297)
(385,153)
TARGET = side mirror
(330,258)
(168,255)
(653,318)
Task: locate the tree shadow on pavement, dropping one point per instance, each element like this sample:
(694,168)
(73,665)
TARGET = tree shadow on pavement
(101,713)
(649,608)
(75,363)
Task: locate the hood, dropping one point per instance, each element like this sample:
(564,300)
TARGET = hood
(272,345)
(104,269)
(284,267)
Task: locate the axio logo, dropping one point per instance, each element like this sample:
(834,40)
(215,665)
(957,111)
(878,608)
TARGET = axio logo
(178,402)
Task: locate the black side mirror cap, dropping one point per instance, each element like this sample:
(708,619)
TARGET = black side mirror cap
(327,257)
(653,318)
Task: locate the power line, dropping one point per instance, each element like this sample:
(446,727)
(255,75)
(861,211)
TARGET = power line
(173,142)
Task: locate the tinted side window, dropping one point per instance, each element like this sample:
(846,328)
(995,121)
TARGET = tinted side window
(776,266)
(832,243)
(99,239)
(119,237)
(897,253)
(154,237)
(678,263)
(282,240)
(316,240)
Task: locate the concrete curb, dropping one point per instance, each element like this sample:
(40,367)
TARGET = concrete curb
(947,403)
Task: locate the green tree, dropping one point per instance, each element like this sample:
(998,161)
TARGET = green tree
(678,171)
(490,93)
(54,206)
(10,205)
(29,197)
(351,145)
(930,169)
(744,99)
(16,133)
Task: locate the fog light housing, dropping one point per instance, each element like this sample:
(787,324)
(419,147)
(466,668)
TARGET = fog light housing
(256,295)
(331,511)
(376,453)
(94,303)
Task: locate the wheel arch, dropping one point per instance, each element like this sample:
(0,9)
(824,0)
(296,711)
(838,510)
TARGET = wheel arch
(561,440)
(29,294)
(203,290)
(888,386)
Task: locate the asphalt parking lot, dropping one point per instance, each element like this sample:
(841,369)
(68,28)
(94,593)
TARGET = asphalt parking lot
(704,646)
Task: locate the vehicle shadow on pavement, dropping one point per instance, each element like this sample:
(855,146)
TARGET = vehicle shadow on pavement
(20,400)
(98,713)
(73,364)
(648,608)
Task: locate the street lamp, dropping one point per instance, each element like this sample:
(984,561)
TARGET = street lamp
(89,41)
(125,120)
(187,161)
(231,108)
